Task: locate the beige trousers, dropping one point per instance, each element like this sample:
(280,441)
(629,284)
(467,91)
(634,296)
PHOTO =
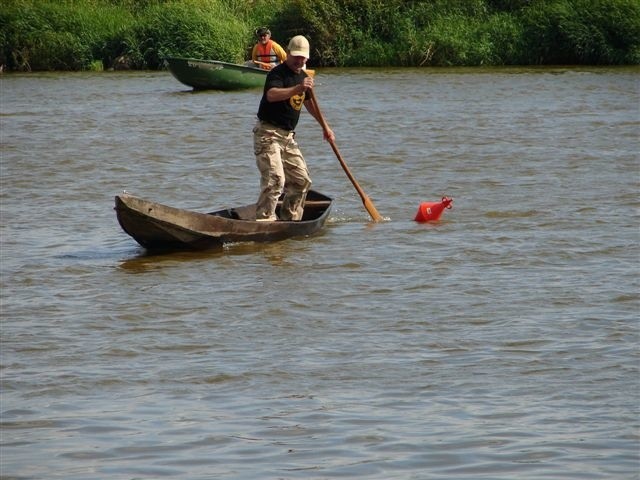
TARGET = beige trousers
(282,169)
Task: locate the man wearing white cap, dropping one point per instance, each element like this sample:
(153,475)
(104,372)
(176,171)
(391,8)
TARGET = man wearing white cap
(278,157)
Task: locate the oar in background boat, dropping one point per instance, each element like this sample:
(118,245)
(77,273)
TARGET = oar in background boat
(266,66)
(368,204)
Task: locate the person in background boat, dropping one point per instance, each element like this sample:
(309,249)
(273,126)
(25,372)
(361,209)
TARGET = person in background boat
(267,53)
(278,157)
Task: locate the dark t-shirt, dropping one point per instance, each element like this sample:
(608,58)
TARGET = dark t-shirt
(284,114)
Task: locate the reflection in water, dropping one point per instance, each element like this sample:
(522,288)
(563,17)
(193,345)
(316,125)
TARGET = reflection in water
(275,253)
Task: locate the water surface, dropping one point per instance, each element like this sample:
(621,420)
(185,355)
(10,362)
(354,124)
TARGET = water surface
(500,342)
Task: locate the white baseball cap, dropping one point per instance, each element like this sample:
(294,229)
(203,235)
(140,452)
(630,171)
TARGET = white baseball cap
(299,46)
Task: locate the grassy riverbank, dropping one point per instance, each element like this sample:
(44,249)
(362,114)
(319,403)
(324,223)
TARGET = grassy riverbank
(97,34)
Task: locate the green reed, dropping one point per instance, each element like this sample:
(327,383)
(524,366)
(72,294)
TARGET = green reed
(64,35)
(90,34)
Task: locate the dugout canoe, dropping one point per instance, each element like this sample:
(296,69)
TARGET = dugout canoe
(214,74)
(160,227)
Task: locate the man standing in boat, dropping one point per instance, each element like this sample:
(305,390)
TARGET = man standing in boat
(278,157)
(267,53)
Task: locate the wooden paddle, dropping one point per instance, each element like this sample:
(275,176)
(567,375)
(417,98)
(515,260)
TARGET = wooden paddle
(368,204)
(267,66)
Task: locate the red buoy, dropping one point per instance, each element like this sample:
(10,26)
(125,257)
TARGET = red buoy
(430,211)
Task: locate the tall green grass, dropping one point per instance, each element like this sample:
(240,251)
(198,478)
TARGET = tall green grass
(581,31)
(63,35)
(200,29)
(80,34)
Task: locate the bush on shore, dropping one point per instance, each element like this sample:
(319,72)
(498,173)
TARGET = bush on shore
(83,34)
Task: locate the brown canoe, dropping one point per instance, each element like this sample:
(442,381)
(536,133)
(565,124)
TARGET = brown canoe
(156,226)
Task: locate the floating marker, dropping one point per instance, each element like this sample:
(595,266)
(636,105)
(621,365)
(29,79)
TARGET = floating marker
(431,211)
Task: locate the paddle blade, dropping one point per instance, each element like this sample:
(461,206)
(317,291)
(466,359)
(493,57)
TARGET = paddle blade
(375,216)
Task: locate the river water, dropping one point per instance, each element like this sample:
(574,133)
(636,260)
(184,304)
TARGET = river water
(498,343)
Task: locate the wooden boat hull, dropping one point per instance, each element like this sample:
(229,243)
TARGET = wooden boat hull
(213,74)
(160,227)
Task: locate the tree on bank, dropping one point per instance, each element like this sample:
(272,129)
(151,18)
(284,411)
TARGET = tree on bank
(86,34)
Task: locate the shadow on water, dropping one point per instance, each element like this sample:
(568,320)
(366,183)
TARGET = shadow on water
(150,260)
(275,253)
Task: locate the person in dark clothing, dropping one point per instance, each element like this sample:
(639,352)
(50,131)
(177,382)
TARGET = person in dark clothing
(278,157)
